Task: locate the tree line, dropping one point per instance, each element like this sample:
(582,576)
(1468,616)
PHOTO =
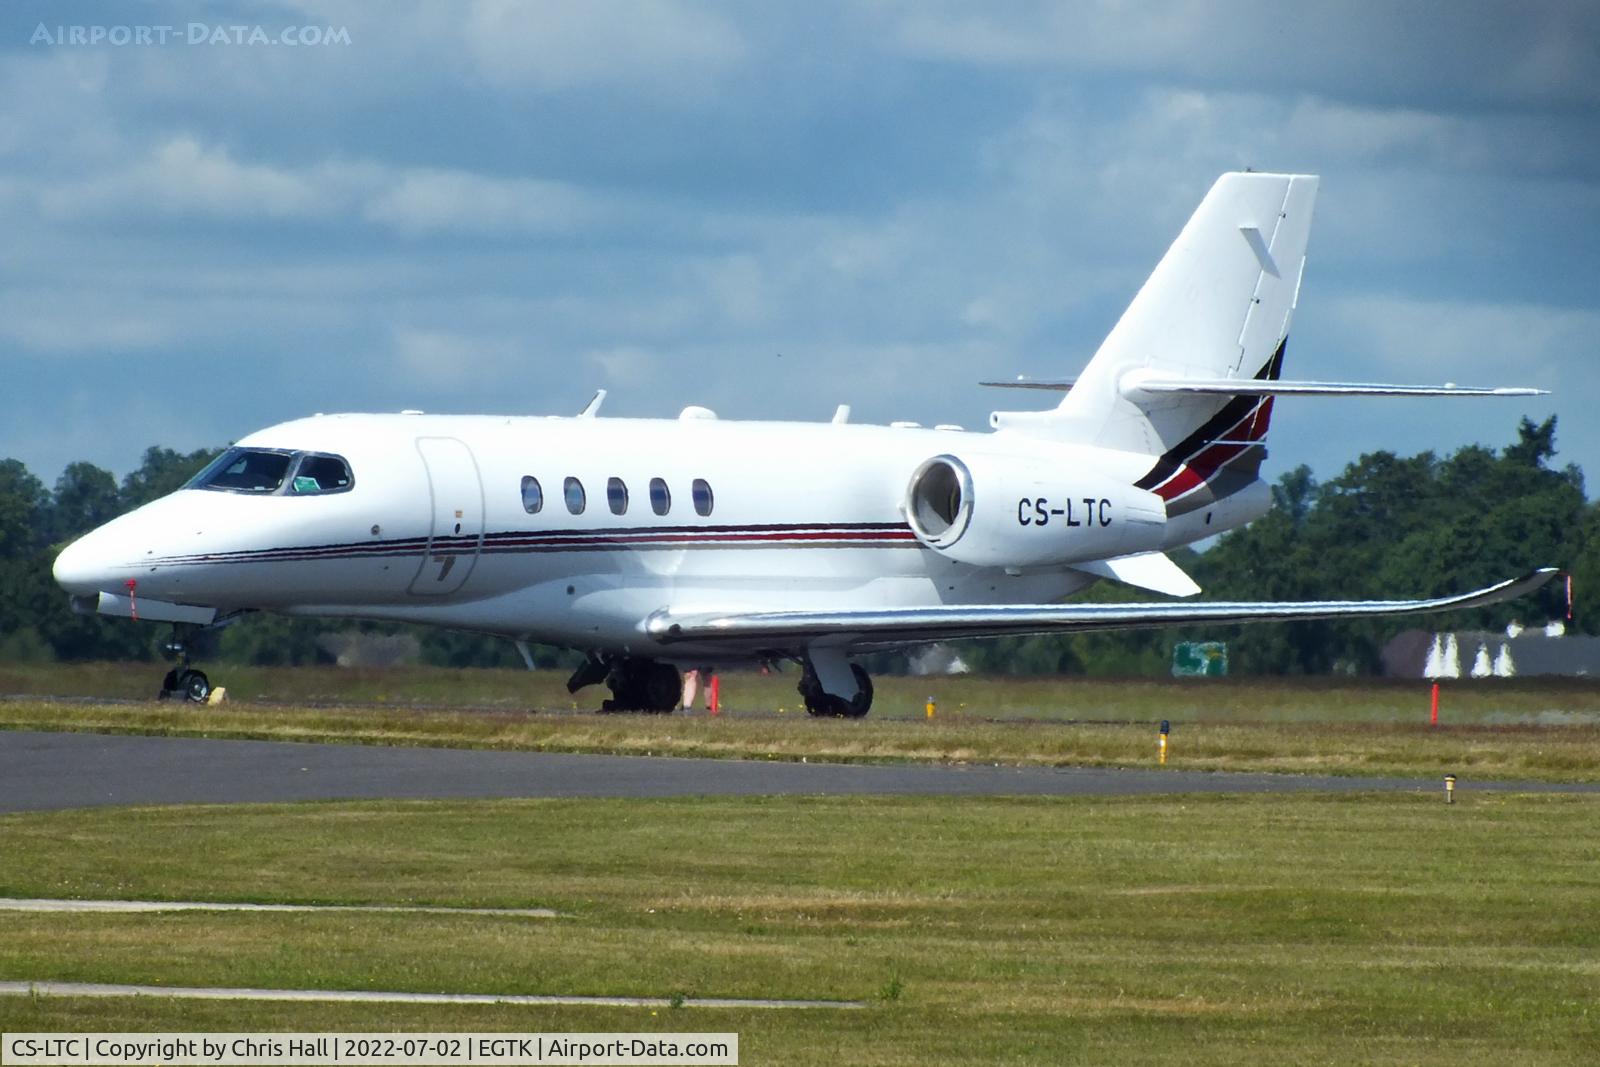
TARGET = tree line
(1388,526)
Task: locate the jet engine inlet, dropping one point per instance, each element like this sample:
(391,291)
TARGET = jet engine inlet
(939,501)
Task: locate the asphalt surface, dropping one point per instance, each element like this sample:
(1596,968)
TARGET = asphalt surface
(40,771)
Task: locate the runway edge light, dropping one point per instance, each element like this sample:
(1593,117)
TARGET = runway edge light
(1161,746)
(1449,789)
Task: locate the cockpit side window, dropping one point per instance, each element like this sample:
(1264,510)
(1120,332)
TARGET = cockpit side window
(245,470)
(319,473)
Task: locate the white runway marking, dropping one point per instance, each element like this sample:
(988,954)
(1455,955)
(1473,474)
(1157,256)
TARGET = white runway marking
(99,989)
(124,906)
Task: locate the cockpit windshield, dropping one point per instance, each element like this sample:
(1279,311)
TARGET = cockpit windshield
(267,471)
(245,470)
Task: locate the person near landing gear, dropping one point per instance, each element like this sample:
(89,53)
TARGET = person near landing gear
(691,686)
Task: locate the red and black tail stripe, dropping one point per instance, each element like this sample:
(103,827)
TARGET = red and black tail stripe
(1237,428)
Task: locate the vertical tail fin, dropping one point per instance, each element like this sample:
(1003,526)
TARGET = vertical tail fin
(1217,306)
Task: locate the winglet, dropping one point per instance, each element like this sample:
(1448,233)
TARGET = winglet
(592,408)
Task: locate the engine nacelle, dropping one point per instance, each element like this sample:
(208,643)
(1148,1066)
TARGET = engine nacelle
(993,511)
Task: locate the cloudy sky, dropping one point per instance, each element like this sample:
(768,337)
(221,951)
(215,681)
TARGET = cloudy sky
(769,209)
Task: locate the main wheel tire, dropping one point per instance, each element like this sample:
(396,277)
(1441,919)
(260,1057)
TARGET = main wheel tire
(858,706)
(818,704)
(824,705)
(662,688)
(643,685)
(195,686)
(169,685)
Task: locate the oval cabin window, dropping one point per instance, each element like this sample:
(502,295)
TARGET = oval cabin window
(702,497)
(532,495)
(573,491)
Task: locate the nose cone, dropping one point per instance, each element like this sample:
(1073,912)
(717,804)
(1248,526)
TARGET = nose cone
(84,568)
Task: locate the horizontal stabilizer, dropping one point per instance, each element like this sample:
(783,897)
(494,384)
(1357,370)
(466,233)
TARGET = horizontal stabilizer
(1054,385)
(1147,570)
(889,627)
(1136,384)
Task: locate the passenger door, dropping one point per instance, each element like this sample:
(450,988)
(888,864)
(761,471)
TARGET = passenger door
(456,497)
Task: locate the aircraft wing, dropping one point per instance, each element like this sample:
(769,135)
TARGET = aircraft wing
(895,626)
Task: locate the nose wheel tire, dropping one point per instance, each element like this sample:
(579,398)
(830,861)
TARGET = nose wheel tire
(187,684)
(195,686)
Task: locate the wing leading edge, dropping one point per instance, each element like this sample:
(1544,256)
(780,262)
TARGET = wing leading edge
(892,626)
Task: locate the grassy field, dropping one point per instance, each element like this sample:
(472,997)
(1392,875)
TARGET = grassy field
(1351,746)
(1304,929)
(1532,701)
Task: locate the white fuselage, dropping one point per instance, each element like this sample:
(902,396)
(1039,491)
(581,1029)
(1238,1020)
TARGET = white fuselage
(434,528)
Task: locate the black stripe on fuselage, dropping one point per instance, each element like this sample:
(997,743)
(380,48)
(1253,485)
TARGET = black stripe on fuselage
(830,535)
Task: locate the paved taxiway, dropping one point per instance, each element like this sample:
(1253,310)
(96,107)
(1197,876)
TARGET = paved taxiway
(42,771)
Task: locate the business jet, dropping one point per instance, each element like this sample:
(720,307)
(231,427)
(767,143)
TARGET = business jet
(656,545)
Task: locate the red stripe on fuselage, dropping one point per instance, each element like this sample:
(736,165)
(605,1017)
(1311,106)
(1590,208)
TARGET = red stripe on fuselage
(511,541)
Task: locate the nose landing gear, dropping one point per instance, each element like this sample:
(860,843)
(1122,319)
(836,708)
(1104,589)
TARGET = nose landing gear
(183,682)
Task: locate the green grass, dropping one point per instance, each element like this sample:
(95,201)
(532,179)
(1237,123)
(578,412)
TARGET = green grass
(1533,729)
(1300,929)
(1544,753)
(1530,701)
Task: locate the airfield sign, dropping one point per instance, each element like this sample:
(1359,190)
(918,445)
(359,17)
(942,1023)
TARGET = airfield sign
(1200,659)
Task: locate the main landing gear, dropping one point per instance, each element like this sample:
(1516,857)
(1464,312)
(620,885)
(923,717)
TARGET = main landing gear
(823,704)
(183,682)
(636,684)
(647,685)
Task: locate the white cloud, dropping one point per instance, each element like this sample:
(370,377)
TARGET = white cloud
(670,48)
(57,120)
(629,365)
(420,202)
(1473,343)
(185,178)
(58,324)
(437,358)
(1481,51)
(182,177)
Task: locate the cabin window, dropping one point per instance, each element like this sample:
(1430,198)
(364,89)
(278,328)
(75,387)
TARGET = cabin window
(245,470)
(319,473)
(573,491)
(702,497)
(617,496)
(532,495)
(660,496)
